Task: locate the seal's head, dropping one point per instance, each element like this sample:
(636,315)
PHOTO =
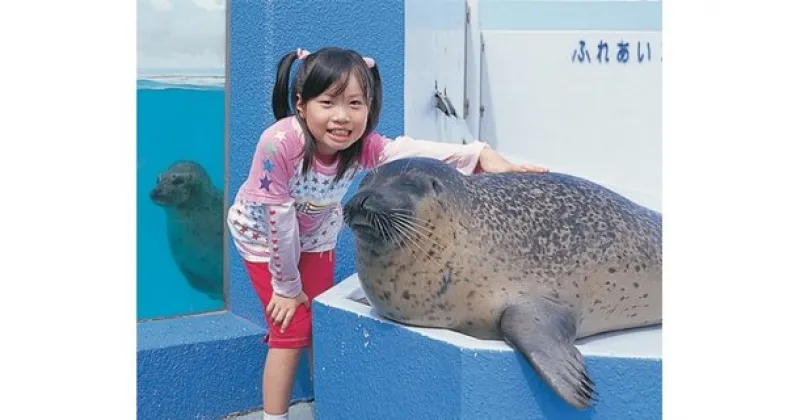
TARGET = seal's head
(402,197)
(179,183)
(408,217)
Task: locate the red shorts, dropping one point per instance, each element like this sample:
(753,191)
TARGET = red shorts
(316,274)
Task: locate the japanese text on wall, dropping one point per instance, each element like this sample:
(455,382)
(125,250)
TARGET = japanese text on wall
(603,52)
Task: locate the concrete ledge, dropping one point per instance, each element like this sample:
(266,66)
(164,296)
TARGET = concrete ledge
(366,367)
(202,367)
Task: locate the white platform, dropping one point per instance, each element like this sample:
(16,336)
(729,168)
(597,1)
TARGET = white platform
(638,343)
(369,367)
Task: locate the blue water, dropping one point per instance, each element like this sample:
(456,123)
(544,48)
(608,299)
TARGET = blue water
(174,122)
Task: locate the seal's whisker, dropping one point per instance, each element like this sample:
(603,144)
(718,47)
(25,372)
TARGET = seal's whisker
(408,237)
(435,249)
(402,230)
(439,245)
(414,218)
(393,229)
(378,222)
(381,227)
(400,211)
(436,240)
(387,228)
(395,236)
(417,223)
(370,218)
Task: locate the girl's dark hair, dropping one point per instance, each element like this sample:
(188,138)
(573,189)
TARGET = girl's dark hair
(317,73)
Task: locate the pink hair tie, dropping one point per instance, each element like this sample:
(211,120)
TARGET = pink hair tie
(302,54)
(370,62)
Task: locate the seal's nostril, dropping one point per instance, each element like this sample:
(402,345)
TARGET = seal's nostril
(363,202)
(366,201)
(356,204)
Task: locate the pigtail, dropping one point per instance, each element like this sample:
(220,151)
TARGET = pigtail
(377,97)
(280,91)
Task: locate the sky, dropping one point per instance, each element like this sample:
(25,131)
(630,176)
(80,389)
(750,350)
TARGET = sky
(181,36)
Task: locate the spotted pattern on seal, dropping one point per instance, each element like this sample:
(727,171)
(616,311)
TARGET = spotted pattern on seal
(493,238)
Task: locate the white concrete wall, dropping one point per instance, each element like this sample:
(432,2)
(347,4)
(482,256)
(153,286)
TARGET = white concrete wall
(434,56)
(598,120)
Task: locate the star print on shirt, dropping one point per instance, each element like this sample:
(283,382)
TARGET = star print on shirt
(265,183)
(268,165)
(270,148)
(280,135)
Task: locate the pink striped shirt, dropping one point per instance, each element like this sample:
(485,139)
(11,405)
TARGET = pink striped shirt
(279,212)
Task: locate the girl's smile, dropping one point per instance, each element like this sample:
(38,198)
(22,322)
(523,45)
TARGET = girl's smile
(336,119)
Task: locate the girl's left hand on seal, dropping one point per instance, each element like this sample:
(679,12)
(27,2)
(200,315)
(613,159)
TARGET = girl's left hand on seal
(491,161)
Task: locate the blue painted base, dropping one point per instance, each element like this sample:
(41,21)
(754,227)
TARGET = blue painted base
(203,367)
(368,368)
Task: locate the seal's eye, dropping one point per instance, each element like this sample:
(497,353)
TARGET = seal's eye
(437,186)
(177,181)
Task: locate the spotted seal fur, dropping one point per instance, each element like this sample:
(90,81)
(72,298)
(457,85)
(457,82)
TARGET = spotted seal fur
(538,260)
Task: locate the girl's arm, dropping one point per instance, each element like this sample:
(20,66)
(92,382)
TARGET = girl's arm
(268,184)
(284,243)
(379,150)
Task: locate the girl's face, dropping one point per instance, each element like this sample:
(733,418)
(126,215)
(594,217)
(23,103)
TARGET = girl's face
(336,121)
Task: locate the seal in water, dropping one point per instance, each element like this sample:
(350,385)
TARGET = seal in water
(195,222)
(538,260)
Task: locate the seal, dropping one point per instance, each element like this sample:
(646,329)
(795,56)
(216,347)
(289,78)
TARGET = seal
(537,260)
(195,220)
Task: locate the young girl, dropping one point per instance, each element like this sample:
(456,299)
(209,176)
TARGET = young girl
(287,215)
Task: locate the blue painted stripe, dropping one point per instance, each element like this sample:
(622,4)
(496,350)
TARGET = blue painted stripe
(570,15)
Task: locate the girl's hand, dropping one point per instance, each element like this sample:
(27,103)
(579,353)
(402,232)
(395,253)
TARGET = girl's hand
(281,309)
(491,161)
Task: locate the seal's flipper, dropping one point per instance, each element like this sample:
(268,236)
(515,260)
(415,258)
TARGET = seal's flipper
(544,332)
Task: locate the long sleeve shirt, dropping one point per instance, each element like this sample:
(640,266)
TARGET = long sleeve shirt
(280,212)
